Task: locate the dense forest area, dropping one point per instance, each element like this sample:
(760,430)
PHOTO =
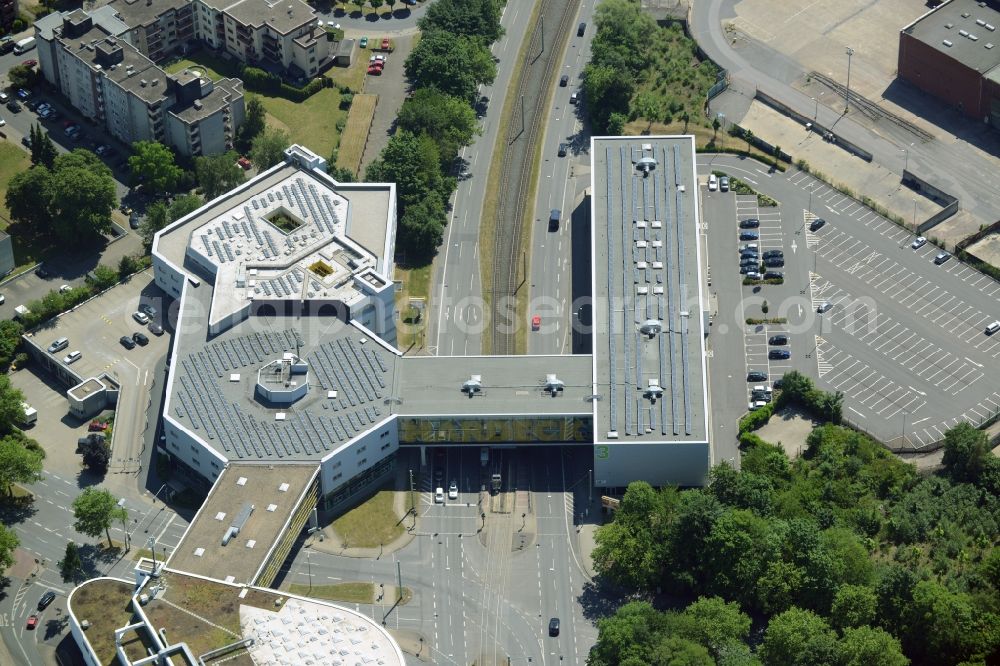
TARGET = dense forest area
(845,556)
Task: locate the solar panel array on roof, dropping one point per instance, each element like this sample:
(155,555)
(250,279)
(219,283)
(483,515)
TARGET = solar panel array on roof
(357,371)
(648,326)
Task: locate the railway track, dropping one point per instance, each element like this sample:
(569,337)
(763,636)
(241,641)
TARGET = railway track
(534,83)
(870,108)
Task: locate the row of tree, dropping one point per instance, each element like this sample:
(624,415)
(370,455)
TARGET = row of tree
(846,555)
(446,69)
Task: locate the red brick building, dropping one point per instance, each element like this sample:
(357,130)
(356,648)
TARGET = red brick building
(953,53)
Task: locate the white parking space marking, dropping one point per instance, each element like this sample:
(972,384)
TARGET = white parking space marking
(865,387)
(886,276)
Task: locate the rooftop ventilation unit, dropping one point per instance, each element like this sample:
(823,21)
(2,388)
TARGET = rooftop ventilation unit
(651,327)
(645,165)
(988,45)
(964,33)
(238,523)
(473,386)
(946,42)
(980,22)
(553,385)
(653,390)
(973,38)
(990,27)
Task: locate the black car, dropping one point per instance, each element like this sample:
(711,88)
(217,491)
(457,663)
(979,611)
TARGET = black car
(773,253)
(746,269)
(749,235)
(774,275)
(139,338)
(563,147)
(563,80)
(816,224)
(46,599)
(13,106)
(778,383)
(766,396)
(41,272)
(554,627)
(779,354)
(756,376)
(751,223)
(133,220)
(155,328)
(7,45)
(749,261)
(778,340)
(127,342)
(774,262)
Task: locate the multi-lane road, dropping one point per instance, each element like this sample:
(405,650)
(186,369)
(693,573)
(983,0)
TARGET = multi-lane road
(456,319)
(485,590)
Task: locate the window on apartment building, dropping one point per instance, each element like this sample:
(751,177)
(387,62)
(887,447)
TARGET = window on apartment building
(215,464)
(194,449)
(336,476)
(385,446)
(384,435)
(363,461)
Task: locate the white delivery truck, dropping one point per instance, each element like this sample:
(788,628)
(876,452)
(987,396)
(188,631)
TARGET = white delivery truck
(30,414)
(24,45)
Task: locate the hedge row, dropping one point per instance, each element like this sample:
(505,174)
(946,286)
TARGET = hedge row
(259,81)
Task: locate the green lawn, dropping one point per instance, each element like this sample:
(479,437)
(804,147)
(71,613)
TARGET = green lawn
(312,123)
(370,524)
(216,68)
(13,160)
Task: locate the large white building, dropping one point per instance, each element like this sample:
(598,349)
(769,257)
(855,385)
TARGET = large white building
(285,344)
(87,57)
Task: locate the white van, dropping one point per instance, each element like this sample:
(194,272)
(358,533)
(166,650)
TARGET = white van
(24,45)
(993,328)
(713,182)
(30,414)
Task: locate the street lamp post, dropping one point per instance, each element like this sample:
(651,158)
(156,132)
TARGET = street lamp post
(905,414)
(906,158)
(815,109)
(847,101)
(151,544)
(124,517)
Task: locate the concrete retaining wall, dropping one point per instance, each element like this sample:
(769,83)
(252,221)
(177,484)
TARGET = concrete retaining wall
(830,135)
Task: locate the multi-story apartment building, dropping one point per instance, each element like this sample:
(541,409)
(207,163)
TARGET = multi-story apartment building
(157,28)
(286,33)
(88,57)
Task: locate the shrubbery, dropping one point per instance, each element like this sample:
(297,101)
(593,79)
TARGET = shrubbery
(799,390)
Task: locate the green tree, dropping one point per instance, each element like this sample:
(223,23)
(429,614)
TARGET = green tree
(748,135)
(715,128)
(82,201)
(268,148)
(853,606)
(71,565)
(184,205)
(95,511)
(865,646)
(97,458)
(253,123)
(454,64)
(153,165)
(218,174)
(649,106)
(737,553)
(8,544)
(10,340)
(616,124)
(693,521)
(421,228)
(83,159)
(159,215)
(11,408)
(799,638)
(341,174)
(43,151)
(677,651)
(966,453)
(104,277)
(949,623)
(480,18)
(448,120)
(716,624)
(413,163)
(22,76)
(628,634)
(17,463)
(29,194)
(375,3)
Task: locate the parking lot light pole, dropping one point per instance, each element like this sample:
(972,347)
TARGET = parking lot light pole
(905,414)
(847,100)
(816,109)
(906,157)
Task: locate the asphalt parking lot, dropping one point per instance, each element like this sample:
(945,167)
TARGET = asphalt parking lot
(95,328)
(904,339)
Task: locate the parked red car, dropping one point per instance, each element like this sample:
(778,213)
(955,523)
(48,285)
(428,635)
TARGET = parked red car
(32,621)
(375,69)
(385,43)
(29,63)
(97,426)
(244,163)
